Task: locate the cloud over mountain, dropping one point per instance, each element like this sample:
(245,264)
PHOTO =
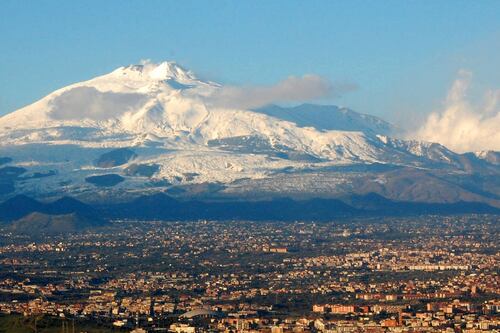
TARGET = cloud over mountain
(292,89)
(462,125)
(88,102)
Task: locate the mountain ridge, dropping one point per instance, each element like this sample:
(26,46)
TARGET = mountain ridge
(149,128)
(37,224)
(160,206)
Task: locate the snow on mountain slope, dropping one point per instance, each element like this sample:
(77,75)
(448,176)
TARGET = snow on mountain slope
(169,103)
(492,157)
(330,117)
(166,115)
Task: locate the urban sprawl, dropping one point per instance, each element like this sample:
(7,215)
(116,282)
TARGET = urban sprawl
(411,274)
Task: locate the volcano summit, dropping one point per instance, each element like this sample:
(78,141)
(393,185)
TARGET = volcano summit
(145,129)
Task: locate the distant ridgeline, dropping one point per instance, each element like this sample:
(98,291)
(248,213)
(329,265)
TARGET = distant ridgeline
(25,215)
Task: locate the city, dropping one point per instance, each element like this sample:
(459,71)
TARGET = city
(412,274)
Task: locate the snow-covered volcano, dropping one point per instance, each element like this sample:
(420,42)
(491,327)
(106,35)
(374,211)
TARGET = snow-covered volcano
(168,105)
(156,126)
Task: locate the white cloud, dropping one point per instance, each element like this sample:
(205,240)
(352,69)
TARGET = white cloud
(293,89)
(464,126)
(88,102)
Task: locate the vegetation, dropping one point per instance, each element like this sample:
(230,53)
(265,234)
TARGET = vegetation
(47,324)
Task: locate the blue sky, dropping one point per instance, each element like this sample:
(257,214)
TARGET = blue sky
(402,55)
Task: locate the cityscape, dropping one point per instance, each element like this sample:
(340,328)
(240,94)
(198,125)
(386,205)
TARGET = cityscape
(415,274)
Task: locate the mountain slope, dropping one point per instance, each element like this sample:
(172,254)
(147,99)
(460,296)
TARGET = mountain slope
(140,105)
(37,224)
(151,128)
(329,117)
(21,205)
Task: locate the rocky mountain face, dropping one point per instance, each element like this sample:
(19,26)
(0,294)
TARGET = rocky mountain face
(156,128)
